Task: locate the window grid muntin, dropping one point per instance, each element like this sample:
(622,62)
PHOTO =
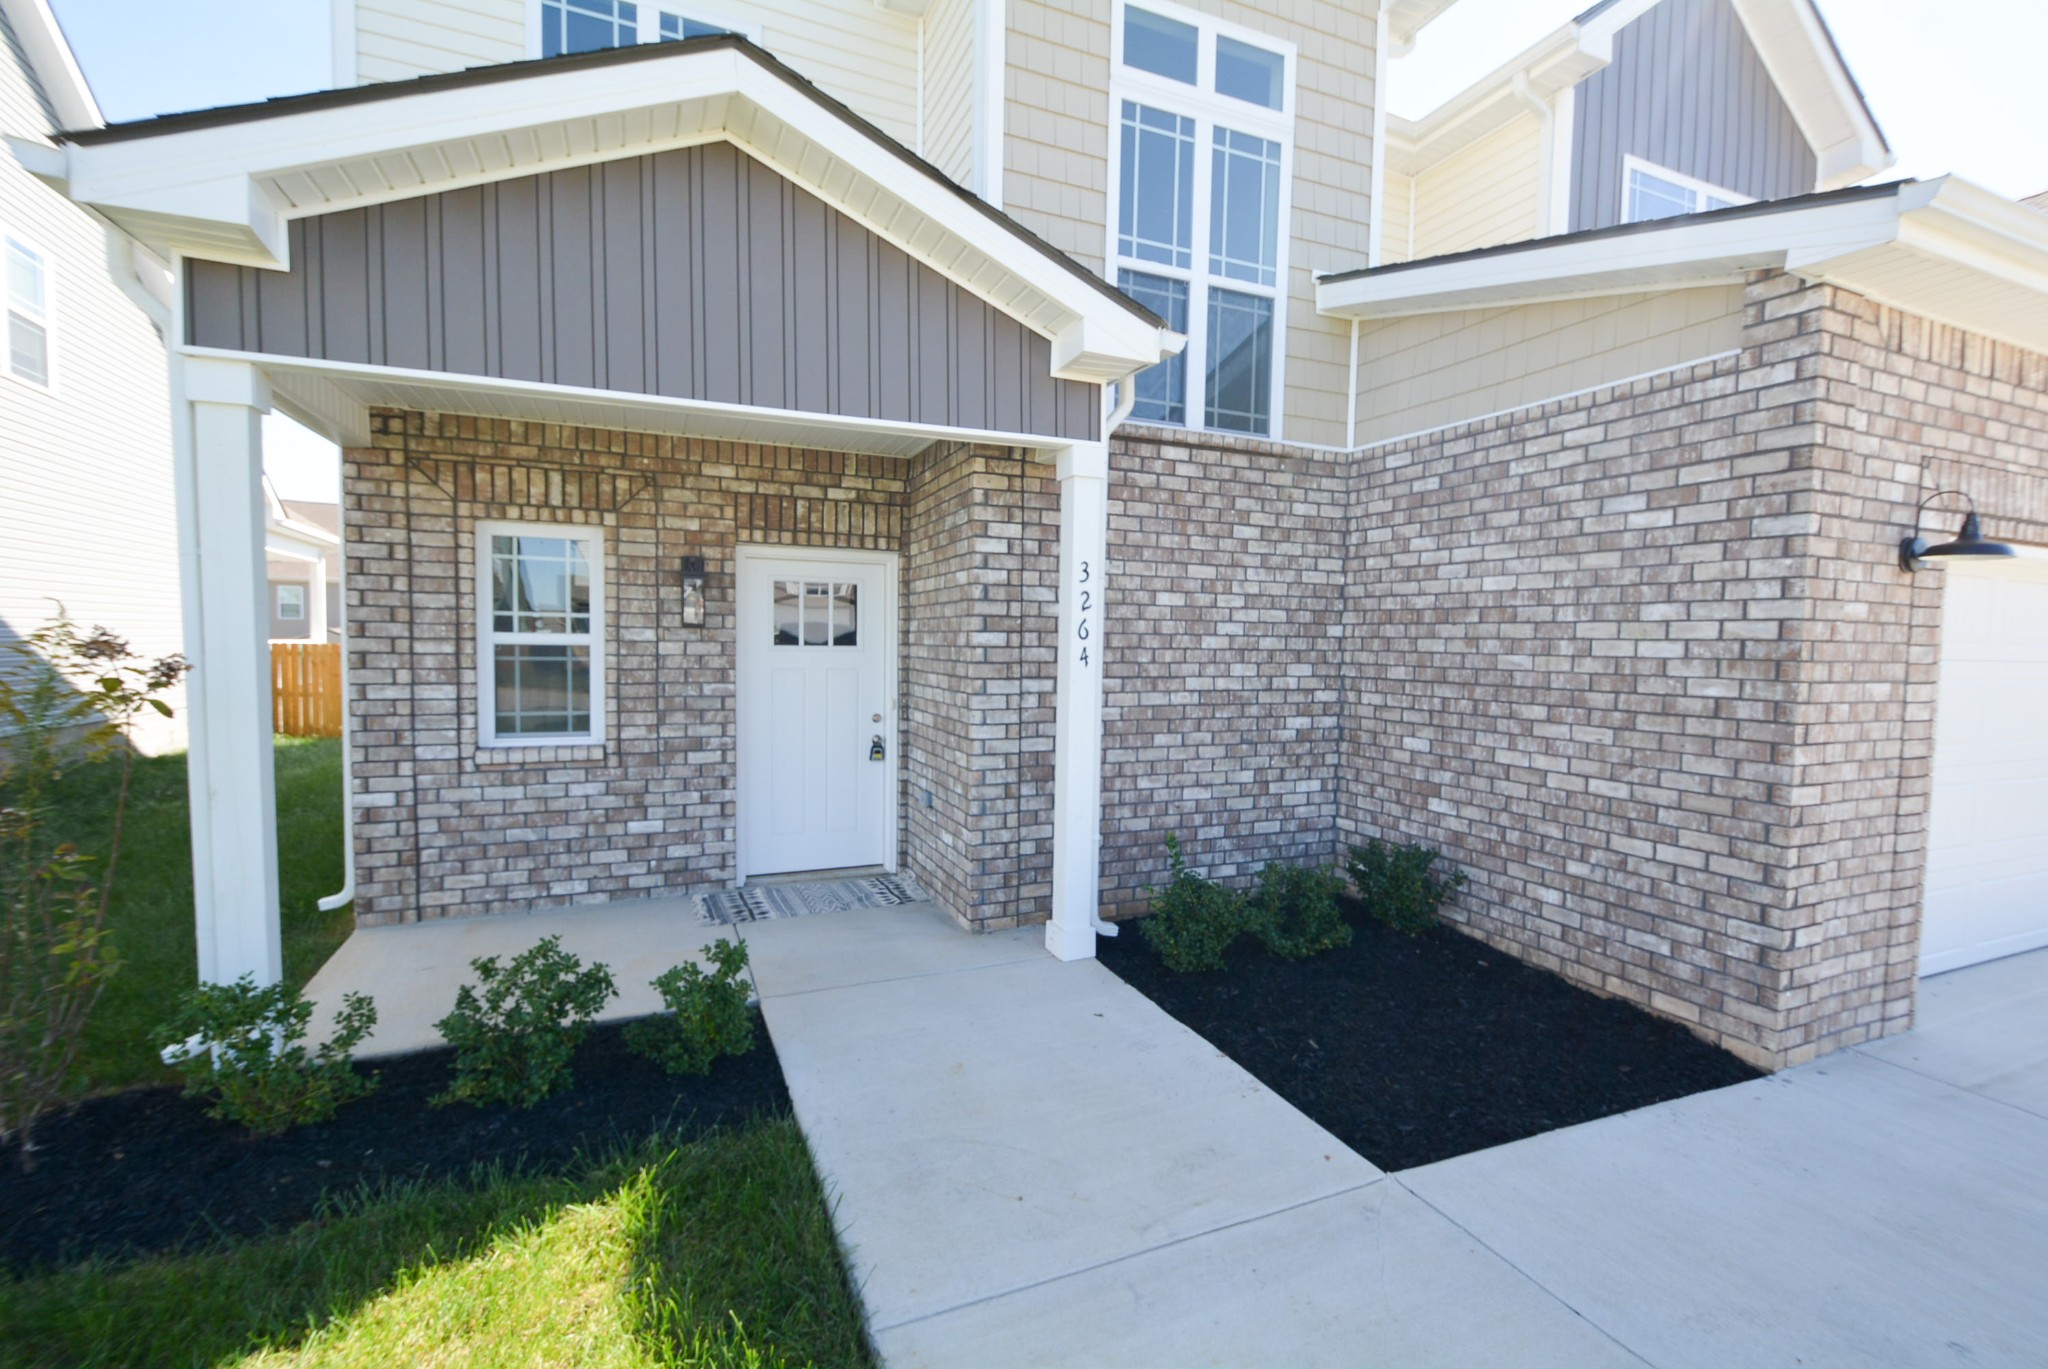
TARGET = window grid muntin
(1209,111)
(1239,160)
(1162,389)
(1171,140)
(576,657)
(571,26)
(1233,308)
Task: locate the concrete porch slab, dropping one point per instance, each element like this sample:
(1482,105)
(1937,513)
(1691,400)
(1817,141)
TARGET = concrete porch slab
(1984,1029)
(412,970)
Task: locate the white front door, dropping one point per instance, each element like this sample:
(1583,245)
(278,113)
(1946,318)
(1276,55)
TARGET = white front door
(1987,840)
(817,736)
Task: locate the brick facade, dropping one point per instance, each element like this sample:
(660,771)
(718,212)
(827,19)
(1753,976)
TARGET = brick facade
(1639,660)
(1642,662)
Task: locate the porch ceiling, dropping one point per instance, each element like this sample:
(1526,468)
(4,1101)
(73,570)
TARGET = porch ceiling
(335,398)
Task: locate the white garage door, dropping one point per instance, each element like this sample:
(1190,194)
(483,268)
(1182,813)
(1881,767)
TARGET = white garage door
(1987,857)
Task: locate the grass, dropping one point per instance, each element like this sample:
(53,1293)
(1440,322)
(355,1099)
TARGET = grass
(151,914)
(714,1254)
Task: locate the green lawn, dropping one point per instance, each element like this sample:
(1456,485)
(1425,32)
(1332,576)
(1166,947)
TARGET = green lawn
(151,915)
(716,1253)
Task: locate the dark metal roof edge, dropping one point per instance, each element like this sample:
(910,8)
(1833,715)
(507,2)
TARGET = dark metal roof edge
(1759,209)
(313,102)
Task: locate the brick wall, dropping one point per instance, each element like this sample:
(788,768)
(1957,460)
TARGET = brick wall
(981,560)
(1641,662)
(1222,659)
(444,827)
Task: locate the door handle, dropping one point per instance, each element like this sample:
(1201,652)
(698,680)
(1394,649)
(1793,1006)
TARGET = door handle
(875,751)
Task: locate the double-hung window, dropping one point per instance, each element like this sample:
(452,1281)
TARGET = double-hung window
(1650,192)
(1201,151)
(587,25)
(291,603)
(28,312)
(540,621)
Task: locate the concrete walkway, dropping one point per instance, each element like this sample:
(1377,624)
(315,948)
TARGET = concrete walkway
(1035,1166)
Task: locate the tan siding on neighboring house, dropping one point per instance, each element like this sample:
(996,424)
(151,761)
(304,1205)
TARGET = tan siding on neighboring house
(1420,373)
(86,499)
(1489,193)
(949,88)
(1055,176)
(397,39)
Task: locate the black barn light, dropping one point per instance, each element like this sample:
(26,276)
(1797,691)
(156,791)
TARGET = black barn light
(1968,542)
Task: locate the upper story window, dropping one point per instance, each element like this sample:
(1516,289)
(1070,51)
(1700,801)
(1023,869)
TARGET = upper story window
(1650,192)
(1200,154)
(28,313)
(540,634)
(587,25)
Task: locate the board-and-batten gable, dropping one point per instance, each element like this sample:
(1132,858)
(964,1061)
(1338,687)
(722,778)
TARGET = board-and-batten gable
(696,274)
(1687,91)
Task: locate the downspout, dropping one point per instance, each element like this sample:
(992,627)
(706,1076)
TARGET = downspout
(1545,141)
(1351,407)
(1126,400)
(345,895)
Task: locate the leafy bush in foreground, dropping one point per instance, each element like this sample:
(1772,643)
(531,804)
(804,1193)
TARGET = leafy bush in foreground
(244,1047)
(708,1014)
(1295,914)
(1398,886)
(514,1032)
(1193,920)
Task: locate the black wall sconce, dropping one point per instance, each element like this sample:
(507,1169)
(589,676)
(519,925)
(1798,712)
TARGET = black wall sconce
(693,591)
(1968,542)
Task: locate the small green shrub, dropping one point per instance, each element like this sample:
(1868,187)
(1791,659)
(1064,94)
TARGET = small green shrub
(1398,886)
(708,1014)
(1193,920)
(1295,914)
(244,1047)
(514,1037)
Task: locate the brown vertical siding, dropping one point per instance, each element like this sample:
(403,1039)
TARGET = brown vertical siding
(694,274)
(1687,91)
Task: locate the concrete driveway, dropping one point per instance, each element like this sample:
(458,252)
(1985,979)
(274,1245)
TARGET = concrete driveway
(1035,1166)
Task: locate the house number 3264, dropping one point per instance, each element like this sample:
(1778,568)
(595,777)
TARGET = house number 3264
(1085,604)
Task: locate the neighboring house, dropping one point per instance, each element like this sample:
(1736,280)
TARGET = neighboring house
(87,510)
(302,560)
(1006,575)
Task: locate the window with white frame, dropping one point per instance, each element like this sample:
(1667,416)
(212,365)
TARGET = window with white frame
(28,313)
(540,620)
(1201,150)
(568,26)
(291,603)
(1651,192)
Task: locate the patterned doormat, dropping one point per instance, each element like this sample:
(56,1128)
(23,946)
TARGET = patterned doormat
(758,902)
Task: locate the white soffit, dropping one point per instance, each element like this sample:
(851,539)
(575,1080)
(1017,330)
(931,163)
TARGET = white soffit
(1808,70)
(1945,250)
(225,191)
(334,399)
(1555,63)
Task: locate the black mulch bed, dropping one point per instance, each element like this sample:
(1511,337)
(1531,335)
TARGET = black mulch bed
(146,1170)
(1415,1049)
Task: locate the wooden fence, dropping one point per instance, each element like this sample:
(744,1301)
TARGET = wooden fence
(305,689)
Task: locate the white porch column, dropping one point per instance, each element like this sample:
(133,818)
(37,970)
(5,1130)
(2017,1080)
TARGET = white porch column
(233,783)
(1077,749)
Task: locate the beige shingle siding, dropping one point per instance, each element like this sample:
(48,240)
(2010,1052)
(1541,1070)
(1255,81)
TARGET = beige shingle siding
(397,39)
(853,51)
(1056,161)
(86,495)
(1416,374)
(1488,193)
(1398,222)
(949,88)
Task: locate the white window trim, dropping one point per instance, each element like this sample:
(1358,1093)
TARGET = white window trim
(47,319)
(487,636)
(1699,189)
(1201,102)
(650,23)
(279,592)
